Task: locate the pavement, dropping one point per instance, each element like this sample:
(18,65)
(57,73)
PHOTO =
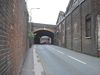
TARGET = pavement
(32,64)
(28,67)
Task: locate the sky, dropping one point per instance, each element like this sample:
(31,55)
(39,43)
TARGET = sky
(48,12)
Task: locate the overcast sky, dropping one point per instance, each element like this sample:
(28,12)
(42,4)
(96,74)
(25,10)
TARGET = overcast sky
(49,10)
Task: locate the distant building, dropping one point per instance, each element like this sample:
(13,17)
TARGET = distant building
(80,27)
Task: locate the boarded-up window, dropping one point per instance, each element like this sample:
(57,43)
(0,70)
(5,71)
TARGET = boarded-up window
(88,26)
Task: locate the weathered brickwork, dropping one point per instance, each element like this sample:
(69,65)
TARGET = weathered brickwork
(13,38)
(76,29)
(88,44)
(63,33)
(68,32)
(42,30)
(5,61)
(60,31)
(56,38)
(81,26)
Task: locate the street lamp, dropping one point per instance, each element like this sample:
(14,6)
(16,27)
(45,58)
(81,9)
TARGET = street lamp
(31,35)
(30,17)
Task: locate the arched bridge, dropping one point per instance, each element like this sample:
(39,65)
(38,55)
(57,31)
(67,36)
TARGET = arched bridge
(43,30)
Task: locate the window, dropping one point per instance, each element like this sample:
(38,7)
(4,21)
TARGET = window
(88,26)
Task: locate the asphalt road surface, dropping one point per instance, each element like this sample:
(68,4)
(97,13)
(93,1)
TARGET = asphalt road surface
(61,61)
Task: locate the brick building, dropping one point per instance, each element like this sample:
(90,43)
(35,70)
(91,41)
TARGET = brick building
(13,38)
(60,30)
(81,21)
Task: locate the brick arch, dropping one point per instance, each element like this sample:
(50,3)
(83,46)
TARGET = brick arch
(46,29)
(41,33)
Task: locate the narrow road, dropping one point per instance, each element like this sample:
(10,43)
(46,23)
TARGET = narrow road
(61,61)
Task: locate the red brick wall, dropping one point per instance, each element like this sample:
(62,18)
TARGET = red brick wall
(13,23)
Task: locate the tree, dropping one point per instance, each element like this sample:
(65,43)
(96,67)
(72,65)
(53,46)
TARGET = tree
(31,35)
(31,38)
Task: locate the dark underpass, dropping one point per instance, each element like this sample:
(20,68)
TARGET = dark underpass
(41,33)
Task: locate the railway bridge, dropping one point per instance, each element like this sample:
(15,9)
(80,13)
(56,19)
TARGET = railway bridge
(43,30)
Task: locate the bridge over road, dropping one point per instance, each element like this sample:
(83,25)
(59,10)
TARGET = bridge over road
(43,30)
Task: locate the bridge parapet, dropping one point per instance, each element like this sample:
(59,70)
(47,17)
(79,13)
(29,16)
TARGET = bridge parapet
(39,26)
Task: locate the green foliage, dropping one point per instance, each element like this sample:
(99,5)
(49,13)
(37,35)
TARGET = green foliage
(31,35)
